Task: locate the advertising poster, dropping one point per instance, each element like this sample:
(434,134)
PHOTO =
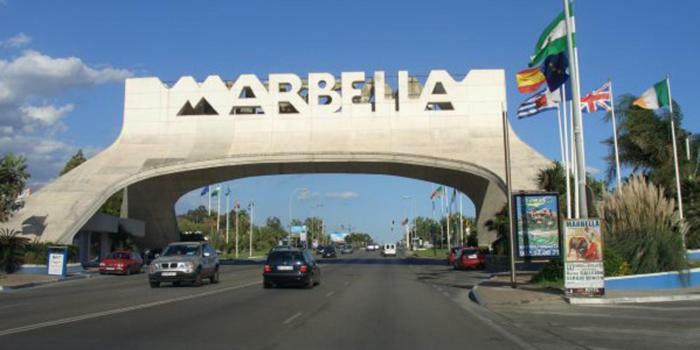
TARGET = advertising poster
(537,226)
(57,263)
(583,262)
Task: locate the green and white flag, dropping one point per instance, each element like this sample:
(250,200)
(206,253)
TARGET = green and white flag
(655,97)
(553,40)
(215,191)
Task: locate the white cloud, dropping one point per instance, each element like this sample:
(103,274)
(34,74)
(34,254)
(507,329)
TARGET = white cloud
(18,40)
(30,115)
(47,115)
(593,171)
(304,195)
(342,195)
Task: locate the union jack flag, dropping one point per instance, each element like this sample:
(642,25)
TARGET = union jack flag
(599,98)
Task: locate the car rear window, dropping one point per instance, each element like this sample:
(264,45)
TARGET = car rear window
(120,255)
(470,252)
(281,258)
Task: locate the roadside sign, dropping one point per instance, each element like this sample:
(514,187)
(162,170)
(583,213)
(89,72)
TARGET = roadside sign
(537,225)
(583,263)
(58,257)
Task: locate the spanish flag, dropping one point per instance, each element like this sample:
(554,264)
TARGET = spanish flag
(529,80)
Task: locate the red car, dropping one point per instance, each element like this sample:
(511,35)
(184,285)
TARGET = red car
(452,255)
(469,258)
(121,262)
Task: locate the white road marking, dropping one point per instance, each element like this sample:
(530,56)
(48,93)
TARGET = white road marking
(119,310)
(289,320)
(330,293)
(694,333)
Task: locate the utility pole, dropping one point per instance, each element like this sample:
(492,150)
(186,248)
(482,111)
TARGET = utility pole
(509,195)
(227,221)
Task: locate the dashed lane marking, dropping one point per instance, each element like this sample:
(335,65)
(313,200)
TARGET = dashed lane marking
(330,293)
(93,315)
(294,317)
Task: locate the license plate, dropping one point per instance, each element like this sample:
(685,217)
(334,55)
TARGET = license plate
(110,269)
(285,268)
(169,274)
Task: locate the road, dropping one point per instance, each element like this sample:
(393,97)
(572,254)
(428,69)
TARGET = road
(363,302)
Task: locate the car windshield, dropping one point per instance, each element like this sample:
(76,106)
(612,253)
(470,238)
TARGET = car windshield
(118,255)
(181,249)
(282,258)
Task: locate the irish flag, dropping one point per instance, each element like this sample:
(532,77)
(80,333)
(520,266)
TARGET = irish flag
(655,97)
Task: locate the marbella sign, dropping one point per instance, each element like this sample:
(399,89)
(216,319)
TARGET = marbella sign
(324,94)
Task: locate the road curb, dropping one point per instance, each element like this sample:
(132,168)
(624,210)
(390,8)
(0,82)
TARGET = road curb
(36,284)
(474,295)
(630,300)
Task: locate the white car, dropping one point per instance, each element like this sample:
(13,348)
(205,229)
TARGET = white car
(389,250)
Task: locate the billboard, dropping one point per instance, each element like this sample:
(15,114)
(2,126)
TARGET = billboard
(296,231)
(583,263)
(537,226)
(338,237)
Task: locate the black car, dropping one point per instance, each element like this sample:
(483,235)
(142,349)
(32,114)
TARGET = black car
(291,266)
(329,252)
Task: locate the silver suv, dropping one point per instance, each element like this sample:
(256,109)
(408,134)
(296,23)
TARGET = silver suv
(185,262)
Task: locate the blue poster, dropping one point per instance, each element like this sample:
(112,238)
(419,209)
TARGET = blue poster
(537,227)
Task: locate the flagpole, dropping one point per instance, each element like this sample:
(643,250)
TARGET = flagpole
(576,114)
(235,211)
(209,193)
(449,213)
(227,221)
(566,152)
(461,221)
(250,237)
(218,211)
(442,229)
(675,151)
(561,140)
(614,126)
(574,169)
(447,220)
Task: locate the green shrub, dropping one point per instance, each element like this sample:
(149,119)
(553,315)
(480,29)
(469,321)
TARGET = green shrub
(643,227)
(38,253)
(11,250)
(614,263)
(552,271)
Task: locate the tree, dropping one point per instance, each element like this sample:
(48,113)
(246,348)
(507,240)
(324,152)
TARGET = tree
(73,162)
(13,179)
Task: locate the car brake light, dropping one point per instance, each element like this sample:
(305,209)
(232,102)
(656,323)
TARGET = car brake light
(267,268)
(303,268)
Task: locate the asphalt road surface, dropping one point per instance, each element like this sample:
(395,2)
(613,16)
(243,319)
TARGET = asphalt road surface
(363,302)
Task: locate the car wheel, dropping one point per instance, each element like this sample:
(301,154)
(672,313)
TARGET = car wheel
(198,278)
(128,271)
(310,283)
(267,285)
(155,284)
(215,277)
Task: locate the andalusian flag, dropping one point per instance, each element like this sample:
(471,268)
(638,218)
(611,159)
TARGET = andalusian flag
(553,40)
(529,80)
(438,192)
(656,97)
(215,191)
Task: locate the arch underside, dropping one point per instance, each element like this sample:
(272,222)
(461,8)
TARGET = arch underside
(152,200)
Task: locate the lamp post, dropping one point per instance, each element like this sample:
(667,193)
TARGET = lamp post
(291,195)
(413,200)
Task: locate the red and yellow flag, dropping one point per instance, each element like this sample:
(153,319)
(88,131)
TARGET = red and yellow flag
(529,80)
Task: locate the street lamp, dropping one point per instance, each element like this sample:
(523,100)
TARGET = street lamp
(412,199)
(291,195)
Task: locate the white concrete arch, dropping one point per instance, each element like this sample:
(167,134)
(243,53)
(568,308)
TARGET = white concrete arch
(160,155)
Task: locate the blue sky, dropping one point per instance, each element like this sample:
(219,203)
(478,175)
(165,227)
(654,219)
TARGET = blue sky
(63,64)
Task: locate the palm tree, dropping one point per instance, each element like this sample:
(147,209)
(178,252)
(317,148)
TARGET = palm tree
(12,249)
